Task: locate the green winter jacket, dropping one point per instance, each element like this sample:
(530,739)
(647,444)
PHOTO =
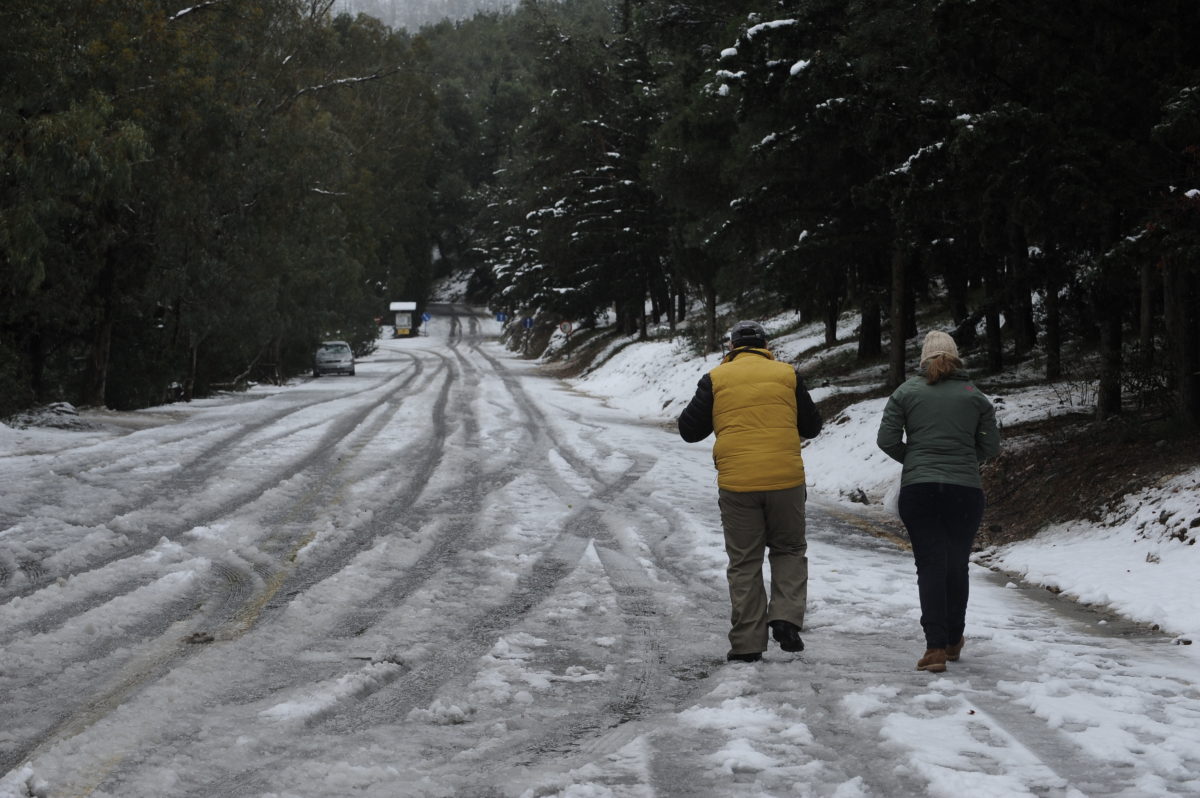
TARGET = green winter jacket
(940,432)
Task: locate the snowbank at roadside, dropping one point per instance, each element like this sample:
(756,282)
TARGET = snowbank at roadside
(1141,559)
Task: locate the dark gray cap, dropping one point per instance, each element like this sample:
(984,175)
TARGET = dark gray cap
(748,333)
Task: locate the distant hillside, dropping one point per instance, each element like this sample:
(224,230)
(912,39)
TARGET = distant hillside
(412,14)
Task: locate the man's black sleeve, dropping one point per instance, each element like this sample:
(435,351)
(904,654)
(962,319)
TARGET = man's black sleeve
(695,422)
(808,418)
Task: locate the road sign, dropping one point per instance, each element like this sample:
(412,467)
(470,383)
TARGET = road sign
(528,322)
(502,317)
(425,316)
(565,327)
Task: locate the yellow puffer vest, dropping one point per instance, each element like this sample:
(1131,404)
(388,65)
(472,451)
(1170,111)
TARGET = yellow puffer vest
(754,416)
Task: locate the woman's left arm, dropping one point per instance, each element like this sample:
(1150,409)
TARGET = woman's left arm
(987,434)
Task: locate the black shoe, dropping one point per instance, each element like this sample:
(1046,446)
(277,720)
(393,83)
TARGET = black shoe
(787,635)
(753,656)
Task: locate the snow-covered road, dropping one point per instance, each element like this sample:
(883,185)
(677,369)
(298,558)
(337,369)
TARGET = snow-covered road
(451,575)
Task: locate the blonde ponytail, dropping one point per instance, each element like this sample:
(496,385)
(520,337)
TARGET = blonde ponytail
(940,366)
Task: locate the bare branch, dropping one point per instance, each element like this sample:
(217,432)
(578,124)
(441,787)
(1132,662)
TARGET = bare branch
(333,84)
(319,9)
(190,9)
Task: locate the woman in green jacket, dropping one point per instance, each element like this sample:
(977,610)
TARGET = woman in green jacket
(941,428)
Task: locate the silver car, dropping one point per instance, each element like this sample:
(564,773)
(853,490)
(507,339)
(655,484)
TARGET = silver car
(333,357)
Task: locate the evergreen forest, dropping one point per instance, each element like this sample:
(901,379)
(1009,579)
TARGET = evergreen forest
(196,193)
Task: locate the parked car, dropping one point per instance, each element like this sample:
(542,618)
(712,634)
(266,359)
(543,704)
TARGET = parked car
(333,357)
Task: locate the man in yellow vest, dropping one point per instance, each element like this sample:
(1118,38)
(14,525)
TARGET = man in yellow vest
(760,411)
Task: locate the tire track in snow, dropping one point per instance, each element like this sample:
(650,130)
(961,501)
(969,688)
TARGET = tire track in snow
(181,479)
(204,468)
(227,595)
(559,558)
(644,682)
(475,636)
(1012,736)
(270,600)
(419,472)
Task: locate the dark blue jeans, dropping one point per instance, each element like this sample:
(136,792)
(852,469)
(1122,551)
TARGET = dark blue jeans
(942,521)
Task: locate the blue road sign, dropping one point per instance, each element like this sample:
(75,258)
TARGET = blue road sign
(501,317)
(426,317)
(528,322)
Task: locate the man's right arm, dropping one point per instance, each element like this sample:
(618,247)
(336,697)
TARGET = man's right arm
(695,422)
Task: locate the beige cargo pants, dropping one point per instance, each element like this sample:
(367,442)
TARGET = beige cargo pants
(755,523)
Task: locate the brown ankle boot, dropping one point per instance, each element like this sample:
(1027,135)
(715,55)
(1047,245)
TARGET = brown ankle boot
(934,660)
(955,649)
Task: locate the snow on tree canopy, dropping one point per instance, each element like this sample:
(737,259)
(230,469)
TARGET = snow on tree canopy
(754,30)
(905,167)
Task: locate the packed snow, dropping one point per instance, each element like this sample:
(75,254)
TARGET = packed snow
(523,595)
(1140,559)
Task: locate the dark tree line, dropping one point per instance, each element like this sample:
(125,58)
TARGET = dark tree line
(189,196)
(194,194)
(1036,165)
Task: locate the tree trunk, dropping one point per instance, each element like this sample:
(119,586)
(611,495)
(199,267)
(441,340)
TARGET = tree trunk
(870,331)
(910,307)
(1053,340)
(1108,394)
(681,298)
(96,378)
(991,315)
(710,316)
(626,17)
(912,271)
(95,385)
(1182,331)
(1020,300)
(1108,298)
(189,383)
(627,319)
(1146,316)
(899,318)
(956,291)
(277,360)
(831,318)
(37,364)
(669,304)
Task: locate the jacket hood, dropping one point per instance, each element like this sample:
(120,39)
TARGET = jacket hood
(741,350)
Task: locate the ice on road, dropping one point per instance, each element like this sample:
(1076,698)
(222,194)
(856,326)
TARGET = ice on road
(451,575)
